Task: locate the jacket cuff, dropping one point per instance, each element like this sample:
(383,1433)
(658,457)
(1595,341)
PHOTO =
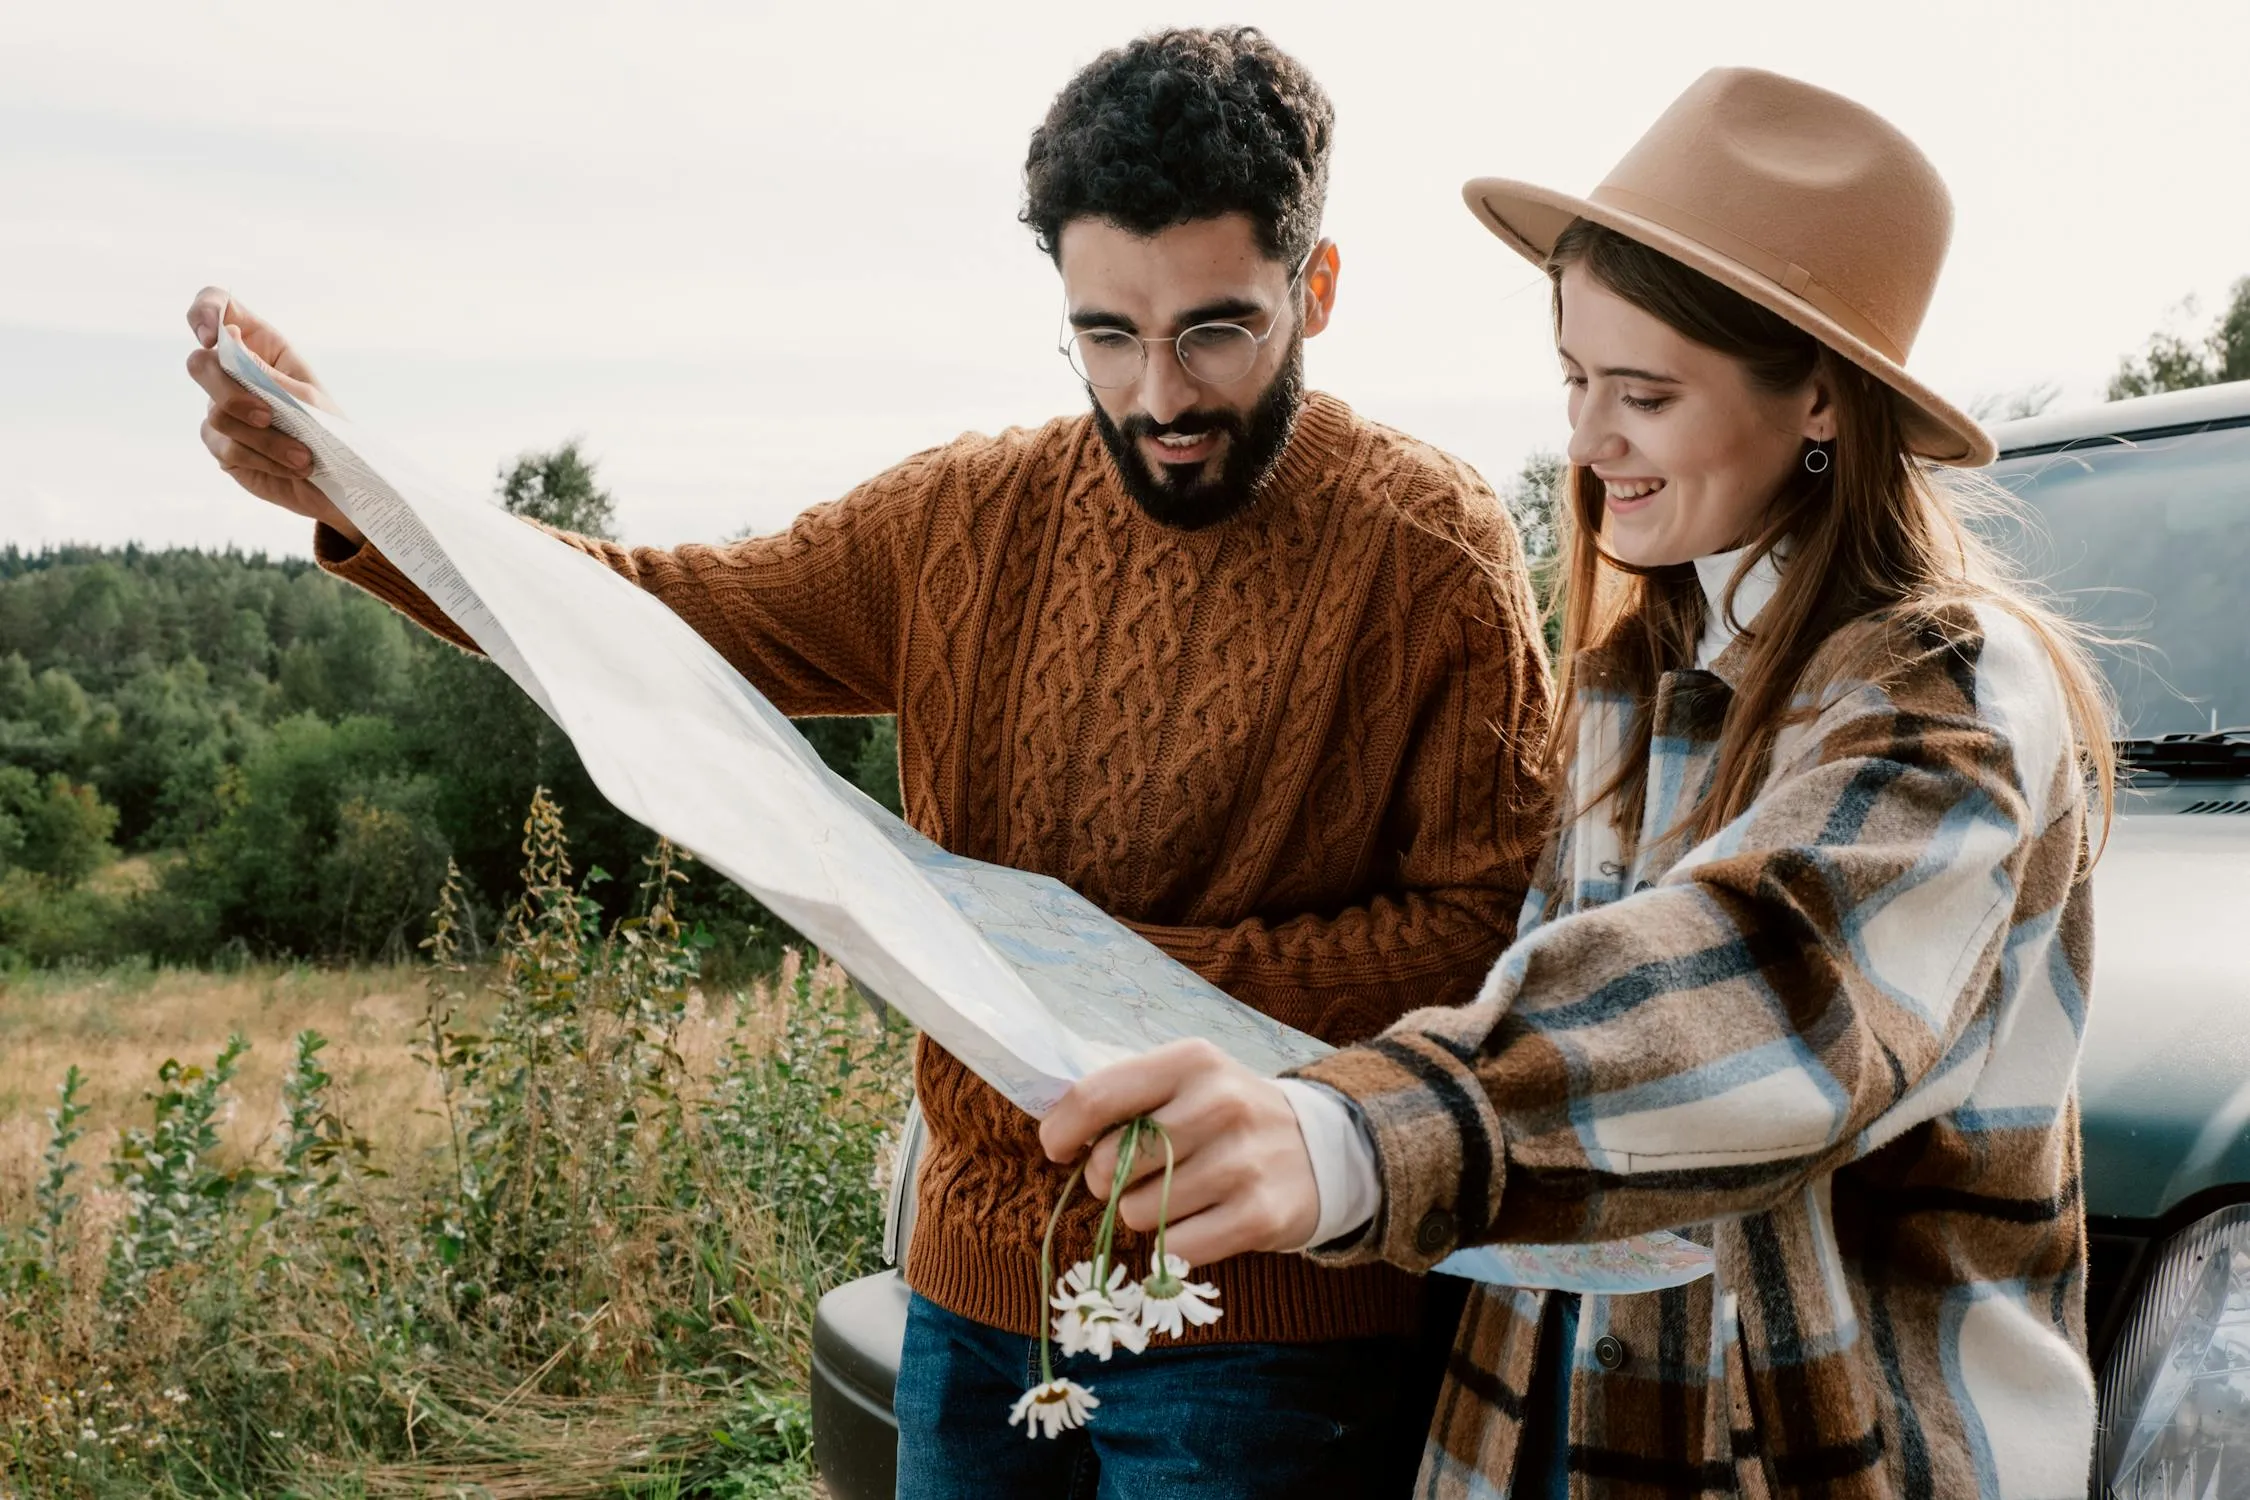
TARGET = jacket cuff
(1438,1148)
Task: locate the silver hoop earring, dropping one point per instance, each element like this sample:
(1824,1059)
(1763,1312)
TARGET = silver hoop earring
(1816,460)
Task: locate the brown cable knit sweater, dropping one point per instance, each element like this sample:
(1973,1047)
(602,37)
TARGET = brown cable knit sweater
(1296,750)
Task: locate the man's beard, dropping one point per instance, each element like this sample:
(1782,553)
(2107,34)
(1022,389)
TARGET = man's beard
(1184,499)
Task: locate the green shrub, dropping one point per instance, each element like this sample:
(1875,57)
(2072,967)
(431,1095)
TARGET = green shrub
(53,826)
(43,924)
(325,845)
(790,1116)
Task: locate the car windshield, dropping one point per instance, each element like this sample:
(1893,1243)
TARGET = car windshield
(2149,542)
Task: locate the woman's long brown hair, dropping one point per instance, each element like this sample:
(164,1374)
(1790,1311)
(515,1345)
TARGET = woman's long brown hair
(1877,534)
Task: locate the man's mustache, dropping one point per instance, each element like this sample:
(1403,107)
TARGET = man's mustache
(1187,424)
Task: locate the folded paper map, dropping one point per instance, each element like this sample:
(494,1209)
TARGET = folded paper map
(1025,981)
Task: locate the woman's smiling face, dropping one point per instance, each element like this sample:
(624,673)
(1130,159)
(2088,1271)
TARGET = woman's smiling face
(1689,449)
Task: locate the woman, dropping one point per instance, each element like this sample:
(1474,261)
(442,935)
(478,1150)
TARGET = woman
(1804,972)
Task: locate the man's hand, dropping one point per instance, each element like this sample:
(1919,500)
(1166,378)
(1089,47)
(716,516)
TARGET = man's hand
(238,429)
(1242,1179)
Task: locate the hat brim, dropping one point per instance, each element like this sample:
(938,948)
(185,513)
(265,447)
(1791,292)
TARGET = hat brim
(1529,219)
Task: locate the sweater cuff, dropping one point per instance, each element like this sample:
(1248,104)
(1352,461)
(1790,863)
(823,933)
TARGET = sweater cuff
(332,549)
(363,565)
(1439,1156)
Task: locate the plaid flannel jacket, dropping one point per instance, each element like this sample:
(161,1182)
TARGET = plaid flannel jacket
(1838,1043)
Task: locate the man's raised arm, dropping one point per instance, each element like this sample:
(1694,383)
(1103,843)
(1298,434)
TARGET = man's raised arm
(810,616)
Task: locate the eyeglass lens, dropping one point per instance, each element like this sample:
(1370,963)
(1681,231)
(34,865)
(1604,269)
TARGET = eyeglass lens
(1214,353)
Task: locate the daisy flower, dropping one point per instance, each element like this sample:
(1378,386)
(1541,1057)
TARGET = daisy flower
(1097,1319)
(1049,1409)
(1169,1301)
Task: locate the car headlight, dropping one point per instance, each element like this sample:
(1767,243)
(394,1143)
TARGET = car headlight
(2176,1399)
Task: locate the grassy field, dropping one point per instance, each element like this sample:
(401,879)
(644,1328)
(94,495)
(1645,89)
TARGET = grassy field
(551,1225)
(119,1025)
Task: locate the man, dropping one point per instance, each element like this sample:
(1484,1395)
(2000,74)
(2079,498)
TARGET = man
(1254,674)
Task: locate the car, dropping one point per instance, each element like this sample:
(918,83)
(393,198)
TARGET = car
(2136,515)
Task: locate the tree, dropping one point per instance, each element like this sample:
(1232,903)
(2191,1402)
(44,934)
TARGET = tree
(1536,499)
(2176,362)
(43,718)
(558,488)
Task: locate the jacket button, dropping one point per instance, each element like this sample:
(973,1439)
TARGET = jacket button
(1435,1234)
(1609,1352)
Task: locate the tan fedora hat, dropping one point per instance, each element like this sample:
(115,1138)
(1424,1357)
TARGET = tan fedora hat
(1799,199)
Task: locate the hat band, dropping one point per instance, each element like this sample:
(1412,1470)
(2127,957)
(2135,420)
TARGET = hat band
(1786,274)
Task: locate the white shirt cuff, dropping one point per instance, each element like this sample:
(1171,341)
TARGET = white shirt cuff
(1343,1159)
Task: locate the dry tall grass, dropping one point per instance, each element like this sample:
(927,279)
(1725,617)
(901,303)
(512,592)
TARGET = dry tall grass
(118,1025)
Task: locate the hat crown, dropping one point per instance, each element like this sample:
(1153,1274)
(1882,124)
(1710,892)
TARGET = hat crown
(1811,190)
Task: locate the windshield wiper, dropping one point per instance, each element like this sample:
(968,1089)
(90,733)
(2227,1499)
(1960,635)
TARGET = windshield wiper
(2223,755)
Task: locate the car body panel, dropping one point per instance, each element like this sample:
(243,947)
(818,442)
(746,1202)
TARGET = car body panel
(2164,1077)
(2172,411)
(2164,1074)
(858,1332)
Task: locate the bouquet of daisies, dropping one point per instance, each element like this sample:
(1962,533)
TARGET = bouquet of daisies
(1099,1308)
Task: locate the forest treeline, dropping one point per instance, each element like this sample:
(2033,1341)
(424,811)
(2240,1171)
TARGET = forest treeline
(214,753)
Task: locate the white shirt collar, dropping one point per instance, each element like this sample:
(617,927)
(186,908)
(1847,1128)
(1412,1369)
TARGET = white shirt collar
(1758,585)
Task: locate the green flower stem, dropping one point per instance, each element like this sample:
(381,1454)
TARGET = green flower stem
(1047,1274)
(1163,1204)
(1107,1234)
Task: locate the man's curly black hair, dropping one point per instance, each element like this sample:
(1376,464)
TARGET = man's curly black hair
(1185,125)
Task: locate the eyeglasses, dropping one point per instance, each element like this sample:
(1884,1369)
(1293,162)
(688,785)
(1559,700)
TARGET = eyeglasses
(1211,353)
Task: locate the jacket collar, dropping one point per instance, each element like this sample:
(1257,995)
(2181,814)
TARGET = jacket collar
(1721,651)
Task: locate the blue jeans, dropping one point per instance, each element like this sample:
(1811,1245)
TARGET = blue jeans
(1344,1418)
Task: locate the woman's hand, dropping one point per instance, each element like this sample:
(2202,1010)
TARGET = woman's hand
(238,428)
(1242,1179)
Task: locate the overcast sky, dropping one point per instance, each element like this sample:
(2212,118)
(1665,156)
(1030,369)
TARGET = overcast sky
(752,253)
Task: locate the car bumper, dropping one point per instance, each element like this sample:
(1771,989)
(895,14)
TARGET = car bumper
(858,1332)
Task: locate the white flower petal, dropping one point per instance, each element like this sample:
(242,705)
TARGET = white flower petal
(1070,1331)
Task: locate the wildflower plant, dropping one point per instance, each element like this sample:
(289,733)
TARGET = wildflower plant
(177,1198)
(37,1263)
(53,1201)
(1099,1308)
(318,1150)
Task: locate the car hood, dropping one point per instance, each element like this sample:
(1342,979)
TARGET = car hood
(2164,1084)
